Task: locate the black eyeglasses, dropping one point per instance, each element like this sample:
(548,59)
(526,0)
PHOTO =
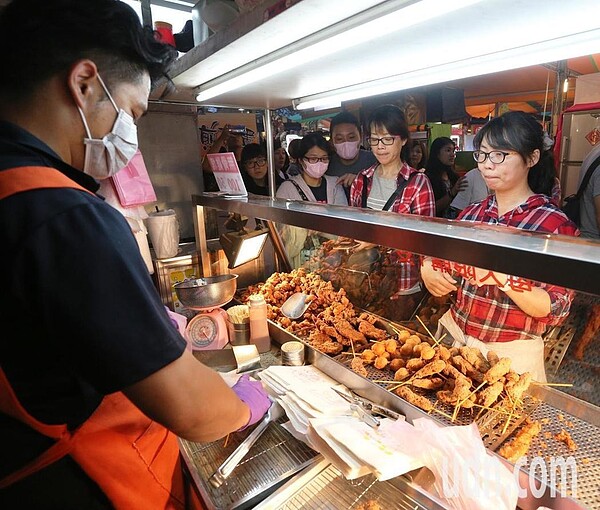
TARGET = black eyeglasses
(385,140)
(496,157)
(256,163)
(312,161)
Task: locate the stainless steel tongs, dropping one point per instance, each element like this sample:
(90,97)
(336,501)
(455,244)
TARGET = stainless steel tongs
(224,470)
(366,409)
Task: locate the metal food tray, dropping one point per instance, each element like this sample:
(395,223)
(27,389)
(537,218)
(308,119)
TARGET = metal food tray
(540,403)
(276,456)
(323,487)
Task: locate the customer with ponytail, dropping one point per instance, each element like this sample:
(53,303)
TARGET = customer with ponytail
(493,312)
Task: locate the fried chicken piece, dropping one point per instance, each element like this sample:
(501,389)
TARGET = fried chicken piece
(401,374)
(492,358)
(378,348)
(412,398)
(519,445)
(358,366)
(380,362)
(435,367)
(564,437)
(396,364)
(515,389)
(370,504)
(347,330)
(443,352)
(475,357)
(415,364)
(367,317)
(462,388)
(467,368)
(446,397)
(499,370)
(452,372)
(391,346)
(427,352)
(490,394)
(368,356)
(370,331)
(435,383)
(324,343)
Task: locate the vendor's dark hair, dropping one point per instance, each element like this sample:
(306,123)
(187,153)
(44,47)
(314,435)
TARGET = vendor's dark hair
(43,38)
(343,118)
(522,133)
(315,139)
(253,150)
(391,118)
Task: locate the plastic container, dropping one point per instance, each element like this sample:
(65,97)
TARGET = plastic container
(163,229)
(259,329)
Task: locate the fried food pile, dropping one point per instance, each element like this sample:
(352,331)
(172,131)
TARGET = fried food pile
(458,377)
(331,323)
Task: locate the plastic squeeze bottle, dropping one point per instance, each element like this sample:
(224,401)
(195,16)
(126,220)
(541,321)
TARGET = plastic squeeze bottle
(259,329)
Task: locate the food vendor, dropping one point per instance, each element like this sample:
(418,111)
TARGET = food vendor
(495,311)
(95,382)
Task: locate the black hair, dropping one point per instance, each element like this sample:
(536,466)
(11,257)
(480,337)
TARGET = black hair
(435,168)
(294,148)
(522,133)
(315,139)
(343,118)
(253,150)
(43,38)
(391,118)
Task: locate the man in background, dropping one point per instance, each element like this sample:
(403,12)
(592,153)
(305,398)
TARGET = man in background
(348,158)
(590,200)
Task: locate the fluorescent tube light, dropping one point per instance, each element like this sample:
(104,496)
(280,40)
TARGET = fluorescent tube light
(561,48)
(392,16)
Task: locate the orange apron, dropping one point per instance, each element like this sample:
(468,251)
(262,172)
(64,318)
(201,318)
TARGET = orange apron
(134,460)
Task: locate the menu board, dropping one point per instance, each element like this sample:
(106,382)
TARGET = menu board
(227,173)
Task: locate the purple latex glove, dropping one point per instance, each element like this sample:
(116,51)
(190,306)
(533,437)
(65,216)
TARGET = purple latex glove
(254,396)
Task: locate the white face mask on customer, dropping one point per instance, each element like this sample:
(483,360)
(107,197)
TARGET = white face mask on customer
(106,156)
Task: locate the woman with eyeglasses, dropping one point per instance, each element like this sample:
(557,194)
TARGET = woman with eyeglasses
(444,180)
(392,185)
(311,185)
(495,311)
(254,169)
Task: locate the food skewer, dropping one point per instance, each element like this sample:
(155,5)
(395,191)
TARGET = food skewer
(426,329)
(566,385)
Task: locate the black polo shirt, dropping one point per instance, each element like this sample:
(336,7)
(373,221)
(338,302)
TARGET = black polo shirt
(79,315)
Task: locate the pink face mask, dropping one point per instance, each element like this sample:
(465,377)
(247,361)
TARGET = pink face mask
(315,170)
(346,150)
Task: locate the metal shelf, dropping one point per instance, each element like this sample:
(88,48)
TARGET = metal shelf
(570,262)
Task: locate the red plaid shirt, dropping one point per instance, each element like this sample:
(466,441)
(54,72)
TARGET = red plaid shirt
(486,312)
(416,198)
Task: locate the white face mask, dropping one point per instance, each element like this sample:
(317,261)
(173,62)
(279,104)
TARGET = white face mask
(105,157)
(346,150)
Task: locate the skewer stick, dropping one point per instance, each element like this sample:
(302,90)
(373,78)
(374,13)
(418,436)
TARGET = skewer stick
(352,346)
(443,413)
(491,409)
(461,402)
(566,385)
(512,410)
(426,328)
(226,441)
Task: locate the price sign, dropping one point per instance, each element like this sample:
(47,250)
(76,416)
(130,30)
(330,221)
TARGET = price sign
(227,173)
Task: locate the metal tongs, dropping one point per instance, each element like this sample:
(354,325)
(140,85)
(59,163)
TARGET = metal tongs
(366,409)
(224,470)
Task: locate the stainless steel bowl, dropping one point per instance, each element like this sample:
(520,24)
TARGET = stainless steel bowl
(206,293)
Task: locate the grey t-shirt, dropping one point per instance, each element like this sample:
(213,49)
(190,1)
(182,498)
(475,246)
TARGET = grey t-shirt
(589,226)
(337,168)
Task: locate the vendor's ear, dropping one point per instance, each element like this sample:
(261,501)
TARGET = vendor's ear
(534,158)
(83,83)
